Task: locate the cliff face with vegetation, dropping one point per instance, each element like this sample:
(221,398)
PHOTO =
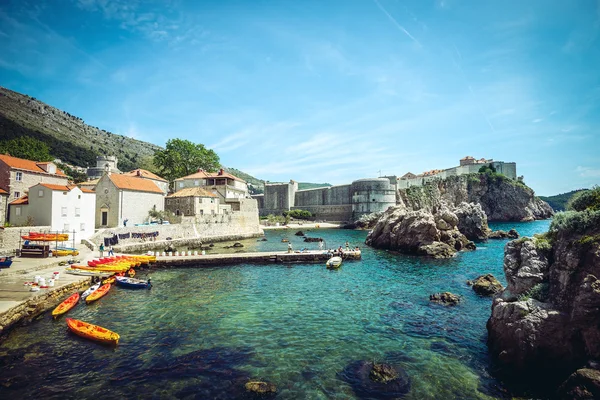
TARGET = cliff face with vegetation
(69,137)
(501,198)
(548,318)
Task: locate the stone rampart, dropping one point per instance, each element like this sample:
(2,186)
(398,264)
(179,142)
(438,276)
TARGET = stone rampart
(329,213)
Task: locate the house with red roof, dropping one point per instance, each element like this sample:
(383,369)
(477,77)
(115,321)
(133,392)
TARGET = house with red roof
(65,208)
(225,185)
(162,183)
(121,198)
(17,175)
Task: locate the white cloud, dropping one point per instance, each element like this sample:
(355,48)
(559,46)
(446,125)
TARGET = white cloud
(588,172)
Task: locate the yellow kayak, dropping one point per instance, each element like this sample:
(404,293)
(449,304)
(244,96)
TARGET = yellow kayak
(92,332)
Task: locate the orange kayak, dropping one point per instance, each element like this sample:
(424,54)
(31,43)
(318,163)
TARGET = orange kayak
(109,280)
(96,294)
(92,332)
(66,305)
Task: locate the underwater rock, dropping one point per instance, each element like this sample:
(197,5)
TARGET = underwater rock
(446,298)
(260,387)
(299,233)
(311,239)
(499,234)
(381,381)
(487,285)
(238,244)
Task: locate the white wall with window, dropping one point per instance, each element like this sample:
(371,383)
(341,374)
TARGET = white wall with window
(19,176)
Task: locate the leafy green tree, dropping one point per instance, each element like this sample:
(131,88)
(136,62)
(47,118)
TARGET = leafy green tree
(182,158)
(26,147)
(585,200)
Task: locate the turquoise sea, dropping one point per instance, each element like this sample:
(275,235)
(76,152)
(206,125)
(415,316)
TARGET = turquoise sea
(202,333)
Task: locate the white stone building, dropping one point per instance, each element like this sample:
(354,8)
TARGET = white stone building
(195,201)
(228,187)
(65,208)
(121,197)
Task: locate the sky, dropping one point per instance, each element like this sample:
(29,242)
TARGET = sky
(326,91)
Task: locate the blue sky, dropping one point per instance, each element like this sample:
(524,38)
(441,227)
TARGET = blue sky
(326,91)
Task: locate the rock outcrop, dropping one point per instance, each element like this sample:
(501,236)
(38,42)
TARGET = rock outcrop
(501,198)
(548,317)
(582,384)
(419,232)
(511,234)
(486,285)
(472,221)
(446,298)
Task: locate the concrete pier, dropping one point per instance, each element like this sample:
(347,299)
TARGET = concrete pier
(269,257)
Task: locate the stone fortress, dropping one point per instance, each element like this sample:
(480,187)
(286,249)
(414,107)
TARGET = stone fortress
(364,196)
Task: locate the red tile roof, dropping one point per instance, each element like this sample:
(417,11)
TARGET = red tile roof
(145,174)
(86,190)
(192,192)
(134,183)
(20,200)
(27,165)
(2,191)
(61,188)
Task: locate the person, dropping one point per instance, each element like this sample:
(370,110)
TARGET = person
(149,283)
(101,248)
(289,247)
(125,222)
(320,245)
(347,246)
(110,251)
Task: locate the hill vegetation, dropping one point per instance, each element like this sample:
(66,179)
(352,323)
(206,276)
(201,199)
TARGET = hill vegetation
(559,202)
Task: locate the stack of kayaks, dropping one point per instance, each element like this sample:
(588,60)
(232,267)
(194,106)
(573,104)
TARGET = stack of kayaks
(65,305)
(46,237)
(92,332)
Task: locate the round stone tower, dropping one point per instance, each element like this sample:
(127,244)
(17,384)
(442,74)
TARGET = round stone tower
(371,195)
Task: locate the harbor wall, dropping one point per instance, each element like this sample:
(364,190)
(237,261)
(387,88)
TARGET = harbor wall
(31,308)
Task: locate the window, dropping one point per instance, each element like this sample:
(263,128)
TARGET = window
(66,227)
(19,176)
(64,193)
(17,195)
(180,184)
(77,211)
(196,183)
(79,196)
(40,193)
(82,227)
(63,211)
(17,211)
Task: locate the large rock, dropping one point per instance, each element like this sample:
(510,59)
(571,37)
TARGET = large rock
(419,232)
(582,384)
(376,381)
(446,298)
(524,265)
(472,221)
(487,285)
(260,387)
(561,333)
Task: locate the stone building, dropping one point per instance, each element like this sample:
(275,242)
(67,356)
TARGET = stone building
(338,203)
(3,206)
(194,201)
(162,183)
(221,183)
(64,208)
(104,164)
(467,165)
(120,197)
(17,175)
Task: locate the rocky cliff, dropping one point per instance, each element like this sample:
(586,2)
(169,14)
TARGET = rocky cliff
(501,198)
(548,318)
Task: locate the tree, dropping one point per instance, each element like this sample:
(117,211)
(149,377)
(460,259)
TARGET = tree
(26,147)
(182,158)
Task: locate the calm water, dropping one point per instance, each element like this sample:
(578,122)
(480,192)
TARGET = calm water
(202,333)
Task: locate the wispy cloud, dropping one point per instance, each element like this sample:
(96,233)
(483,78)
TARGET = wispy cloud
(588,172)
(407,33)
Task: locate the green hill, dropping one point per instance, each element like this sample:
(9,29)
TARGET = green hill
(559,201)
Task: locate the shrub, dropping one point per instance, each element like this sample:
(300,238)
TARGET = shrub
(538,292)
(573,221)
(297,214)
(585,200)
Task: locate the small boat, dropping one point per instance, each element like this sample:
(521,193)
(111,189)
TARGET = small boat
(5,261)
(110,280)
(133,283)
(284,240)
(334,262)
(83,272)
(89,291)
(96,294)
(92,332)
(66,305)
